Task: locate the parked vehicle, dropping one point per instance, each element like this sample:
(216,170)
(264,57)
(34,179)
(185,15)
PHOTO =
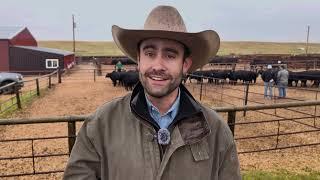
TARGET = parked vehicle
(7,78)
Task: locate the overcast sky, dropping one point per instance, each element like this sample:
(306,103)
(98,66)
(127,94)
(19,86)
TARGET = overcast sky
(234,20)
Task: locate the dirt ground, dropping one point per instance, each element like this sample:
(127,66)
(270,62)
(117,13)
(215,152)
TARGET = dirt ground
(79,95)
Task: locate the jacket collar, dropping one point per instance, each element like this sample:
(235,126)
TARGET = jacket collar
(190,118)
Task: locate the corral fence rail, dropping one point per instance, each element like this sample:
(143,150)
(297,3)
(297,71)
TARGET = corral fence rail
(245,93)
(31,88)
(231,120)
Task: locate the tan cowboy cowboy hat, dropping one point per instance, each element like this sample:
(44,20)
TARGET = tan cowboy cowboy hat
(166,22)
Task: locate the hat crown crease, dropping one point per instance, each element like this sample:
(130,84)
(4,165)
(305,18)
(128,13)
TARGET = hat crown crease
(165,18)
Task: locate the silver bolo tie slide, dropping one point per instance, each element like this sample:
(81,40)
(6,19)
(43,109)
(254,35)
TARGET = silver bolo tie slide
(163,136)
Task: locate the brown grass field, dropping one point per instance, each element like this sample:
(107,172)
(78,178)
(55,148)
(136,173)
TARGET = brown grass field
(80,95)
(105,48)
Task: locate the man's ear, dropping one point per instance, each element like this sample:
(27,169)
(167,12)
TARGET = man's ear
(186,65)
(138,59)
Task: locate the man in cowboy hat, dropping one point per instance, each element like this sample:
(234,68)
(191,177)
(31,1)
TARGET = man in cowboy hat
(159,131)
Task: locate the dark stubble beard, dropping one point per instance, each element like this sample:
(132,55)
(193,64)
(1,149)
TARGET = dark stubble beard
(174,83)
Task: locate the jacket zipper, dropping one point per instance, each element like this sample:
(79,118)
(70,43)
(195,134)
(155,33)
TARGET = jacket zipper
(156,135)
(161,151)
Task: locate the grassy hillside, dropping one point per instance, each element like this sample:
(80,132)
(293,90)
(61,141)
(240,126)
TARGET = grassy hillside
(104,48)
(86,48)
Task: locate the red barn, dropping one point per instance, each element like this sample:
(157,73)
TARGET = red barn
(19,52)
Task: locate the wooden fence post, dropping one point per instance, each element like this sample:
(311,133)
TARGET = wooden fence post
(16,89)
(38,88)
(71,134)
(232,120)
(246,98)
(201,82)
(315,112)
(221,93)
(99,71)
(49,82)
(94,75)
(59,75)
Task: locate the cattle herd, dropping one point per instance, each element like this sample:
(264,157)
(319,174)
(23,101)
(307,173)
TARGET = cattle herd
(220,76)
(128,79)
(303,77)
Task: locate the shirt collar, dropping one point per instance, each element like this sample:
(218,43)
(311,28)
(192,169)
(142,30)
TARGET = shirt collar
(172,112)
(139,106)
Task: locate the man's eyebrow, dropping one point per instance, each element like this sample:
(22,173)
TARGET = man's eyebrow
(171,50)
(149,47)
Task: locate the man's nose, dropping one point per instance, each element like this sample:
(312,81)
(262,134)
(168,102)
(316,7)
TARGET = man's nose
(158,63)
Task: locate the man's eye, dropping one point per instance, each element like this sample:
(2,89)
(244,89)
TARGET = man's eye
(169,56)
(149,54)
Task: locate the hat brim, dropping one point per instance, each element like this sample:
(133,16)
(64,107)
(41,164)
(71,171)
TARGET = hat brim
(202,45)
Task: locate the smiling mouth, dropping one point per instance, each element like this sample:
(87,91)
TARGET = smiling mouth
(157,78)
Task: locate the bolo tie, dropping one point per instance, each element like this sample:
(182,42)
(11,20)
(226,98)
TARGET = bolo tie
(163,136)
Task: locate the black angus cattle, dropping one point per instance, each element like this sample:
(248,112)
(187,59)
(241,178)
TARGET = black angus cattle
(115,77)
(254,76)
(127,79)
(213,76)
(242,75)
(185,78)
(210,74)
(234,76)
(130,79)
(293,78)
(303,77)
(220,76)
(197,75)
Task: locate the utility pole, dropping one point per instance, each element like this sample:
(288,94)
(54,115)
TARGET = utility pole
(307,45)
(74,41)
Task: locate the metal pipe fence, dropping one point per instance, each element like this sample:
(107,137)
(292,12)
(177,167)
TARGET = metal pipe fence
(26,148)
(244,93)
(275,137)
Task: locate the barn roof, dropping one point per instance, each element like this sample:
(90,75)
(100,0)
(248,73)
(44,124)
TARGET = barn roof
(48,50)
(8,32)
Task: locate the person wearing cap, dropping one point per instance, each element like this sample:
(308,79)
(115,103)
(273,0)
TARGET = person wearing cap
(267,77)
(158,131)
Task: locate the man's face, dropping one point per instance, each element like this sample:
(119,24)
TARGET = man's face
(161,66)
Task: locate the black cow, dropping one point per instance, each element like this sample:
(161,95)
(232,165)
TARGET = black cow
(130,79)
(220,76)
(115,77)
(197,75)
(303,77)
(242,75)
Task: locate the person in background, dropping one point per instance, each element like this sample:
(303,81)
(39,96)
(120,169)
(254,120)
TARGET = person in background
(282,81)
(267,77)
(159,131)
(119,66)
